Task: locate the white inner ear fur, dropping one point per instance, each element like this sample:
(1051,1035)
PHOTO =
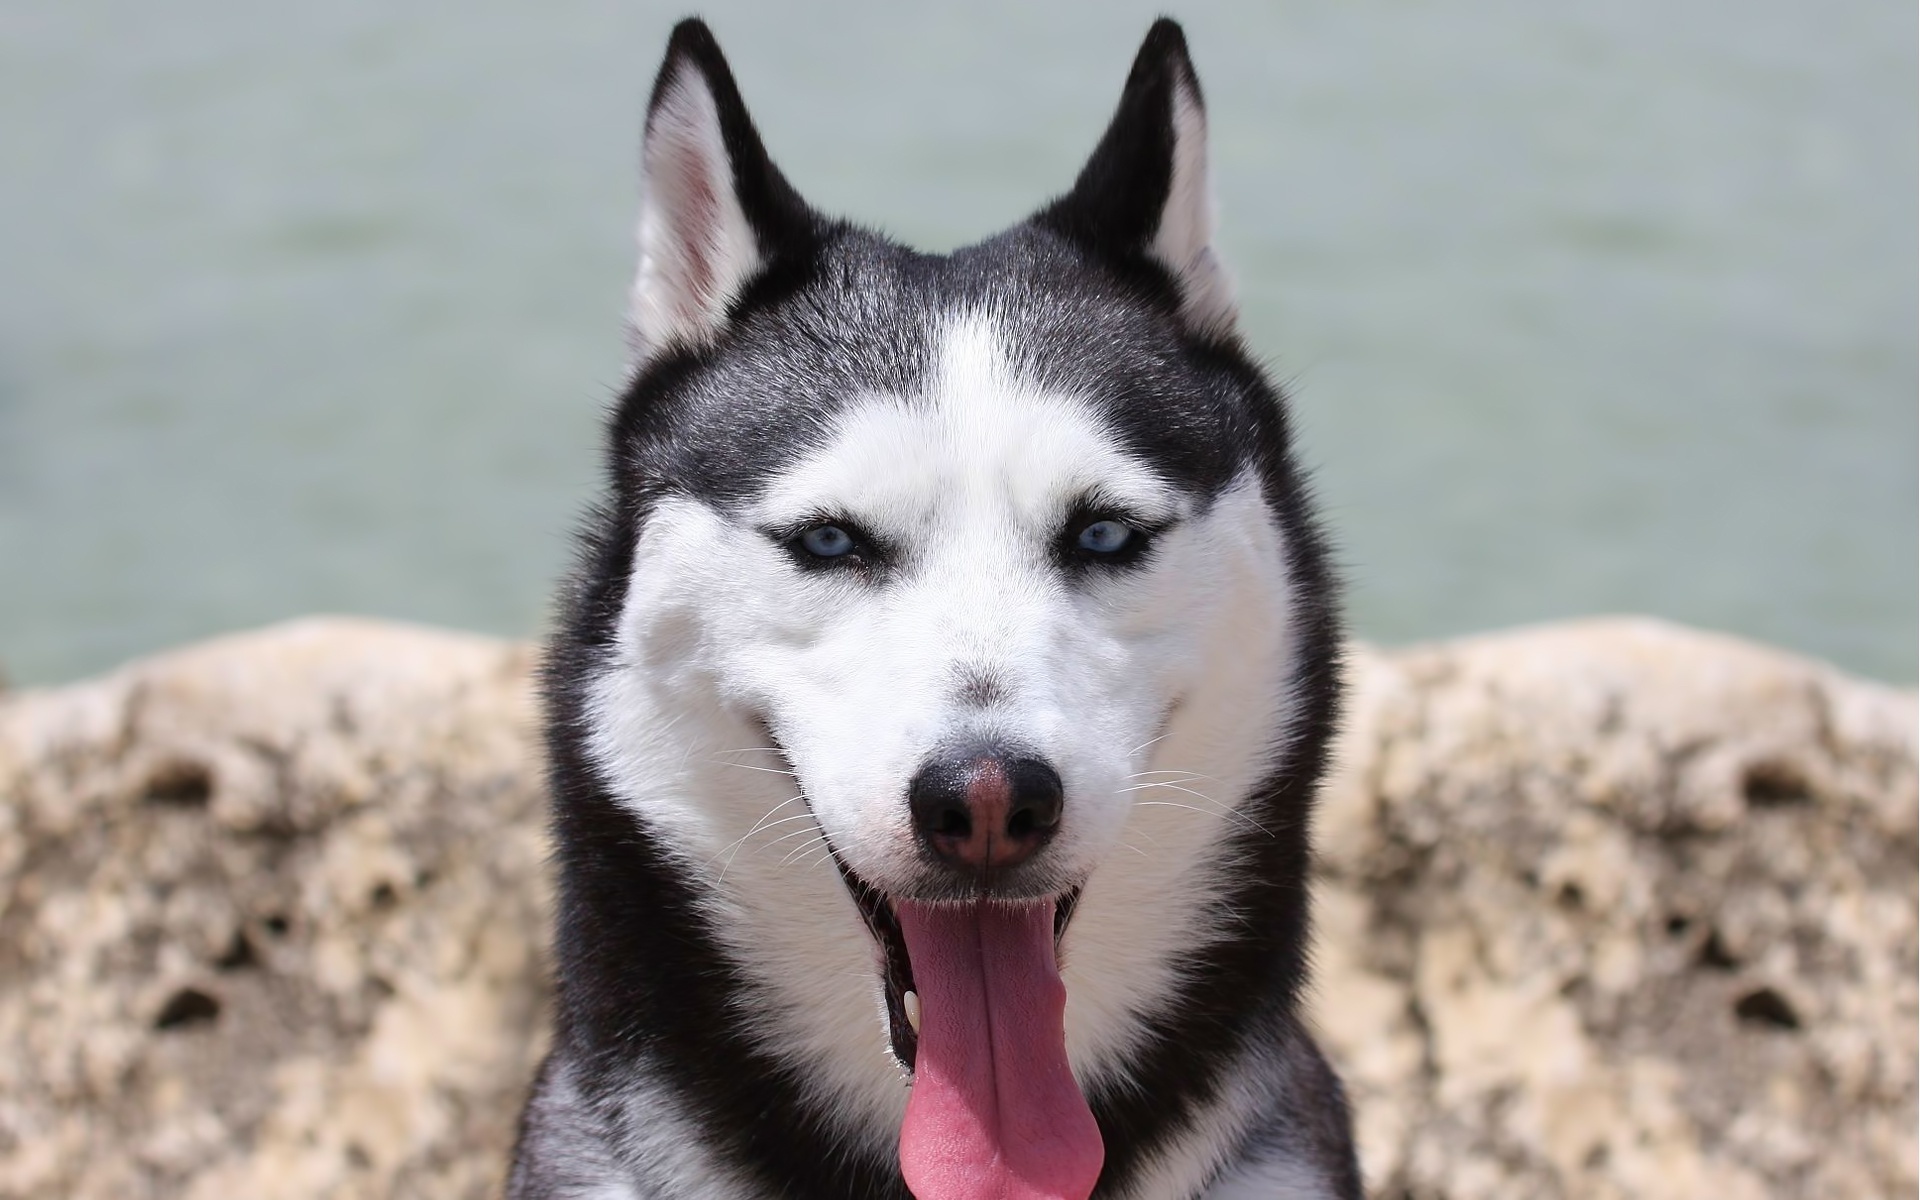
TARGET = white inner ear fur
(696,248)
(1184,240)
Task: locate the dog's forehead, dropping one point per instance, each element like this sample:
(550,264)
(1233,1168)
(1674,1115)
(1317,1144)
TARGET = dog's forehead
(1015,346)
(972,431)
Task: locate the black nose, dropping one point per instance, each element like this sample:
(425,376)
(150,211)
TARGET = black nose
(985,811)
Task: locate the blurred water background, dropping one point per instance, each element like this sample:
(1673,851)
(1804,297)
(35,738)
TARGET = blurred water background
(1584,307)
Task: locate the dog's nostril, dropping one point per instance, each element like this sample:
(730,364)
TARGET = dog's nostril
(1036,798)
(938,800)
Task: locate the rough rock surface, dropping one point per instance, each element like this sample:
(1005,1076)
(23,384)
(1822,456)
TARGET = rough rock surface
(269,910)
(1610,909)
(1616,909)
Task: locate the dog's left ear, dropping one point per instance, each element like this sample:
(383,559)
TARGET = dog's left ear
(1145,194)
(715,213)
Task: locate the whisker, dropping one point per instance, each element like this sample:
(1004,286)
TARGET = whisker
(1175,787)
(768,816)
(803,848)
(820,854)
(782,821)
(1150,741)
(789,835)
(1218,809)
(1150,838)
(1141,787)
(733,847)
(750,767)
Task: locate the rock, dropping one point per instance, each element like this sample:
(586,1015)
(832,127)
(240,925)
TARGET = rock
(1607,909)
(270,917)
(1617,909)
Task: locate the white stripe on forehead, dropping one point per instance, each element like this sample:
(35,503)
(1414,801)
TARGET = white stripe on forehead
(977,432)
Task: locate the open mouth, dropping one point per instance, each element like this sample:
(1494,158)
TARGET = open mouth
(976,1012)
(896,964)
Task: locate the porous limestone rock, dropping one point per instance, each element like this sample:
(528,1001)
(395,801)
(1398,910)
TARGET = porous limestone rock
(1610,909)
(1617,909)
(270,910)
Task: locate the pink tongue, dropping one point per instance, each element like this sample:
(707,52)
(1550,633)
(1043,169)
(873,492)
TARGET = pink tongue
(995,1113)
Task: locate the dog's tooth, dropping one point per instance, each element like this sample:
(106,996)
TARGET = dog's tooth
(912,1002)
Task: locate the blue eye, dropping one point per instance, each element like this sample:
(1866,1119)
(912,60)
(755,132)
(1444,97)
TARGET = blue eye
(827,541)
(1105,537)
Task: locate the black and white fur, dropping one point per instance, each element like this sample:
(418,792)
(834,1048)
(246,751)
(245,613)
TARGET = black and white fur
(726,716)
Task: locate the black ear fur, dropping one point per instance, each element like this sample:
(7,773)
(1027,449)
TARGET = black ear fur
(1142,199)
(1116,202)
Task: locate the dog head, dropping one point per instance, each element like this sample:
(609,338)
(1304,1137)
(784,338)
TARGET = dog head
(963,538)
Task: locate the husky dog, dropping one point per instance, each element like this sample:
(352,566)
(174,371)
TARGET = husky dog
(938,704)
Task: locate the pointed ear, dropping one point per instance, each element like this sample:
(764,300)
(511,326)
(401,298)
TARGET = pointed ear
(714,210)
(1145,193)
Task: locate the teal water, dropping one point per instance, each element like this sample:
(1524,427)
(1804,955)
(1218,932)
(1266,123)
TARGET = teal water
(1585,308)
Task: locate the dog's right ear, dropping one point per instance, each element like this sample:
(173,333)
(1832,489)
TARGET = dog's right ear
(1144,194)
(714,210)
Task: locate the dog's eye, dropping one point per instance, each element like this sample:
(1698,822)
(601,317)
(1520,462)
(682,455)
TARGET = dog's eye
(1105,537)
(824,544)
(826,541)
